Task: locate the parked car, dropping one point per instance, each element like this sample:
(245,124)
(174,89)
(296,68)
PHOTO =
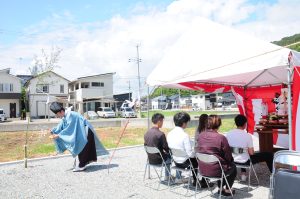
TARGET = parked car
(106,112)
(127,112)
(2,116)
(196,108)
(91,115)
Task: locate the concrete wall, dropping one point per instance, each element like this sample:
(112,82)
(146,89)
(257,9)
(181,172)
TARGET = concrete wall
(38,125)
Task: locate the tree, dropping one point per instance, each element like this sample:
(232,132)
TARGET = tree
(290,40)
(45,62)
(41,65)
(24,103)
(172,91)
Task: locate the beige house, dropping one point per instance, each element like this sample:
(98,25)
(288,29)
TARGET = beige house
(10,93)
(91,92)
(42,87)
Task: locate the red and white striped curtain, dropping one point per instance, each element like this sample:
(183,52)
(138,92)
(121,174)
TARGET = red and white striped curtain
(296,110)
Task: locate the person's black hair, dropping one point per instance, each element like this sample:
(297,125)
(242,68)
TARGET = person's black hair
(202,123)
(157,117)
(181,118)
(56,107)
(214,122)
(240,120)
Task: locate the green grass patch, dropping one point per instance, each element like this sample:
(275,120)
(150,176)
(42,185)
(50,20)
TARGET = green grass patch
(42,149)
(227,124)
(169,113)
(12,143)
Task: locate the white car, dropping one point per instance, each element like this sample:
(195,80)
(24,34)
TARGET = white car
(106,112)
(91,115)
(127,112)
(2,116)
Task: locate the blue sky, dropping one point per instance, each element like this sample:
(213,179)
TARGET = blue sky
(99,36)
(17,15)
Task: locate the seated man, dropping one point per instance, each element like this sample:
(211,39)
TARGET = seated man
(156,138)
(179,139)
(240,138)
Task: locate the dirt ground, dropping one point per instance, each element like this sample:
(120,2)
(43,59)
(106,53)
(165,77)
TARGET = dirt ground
(39,144)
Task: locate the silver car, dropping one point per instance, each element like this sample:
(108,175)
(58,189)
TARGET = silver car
(127,112)
(91,115)
(106,112)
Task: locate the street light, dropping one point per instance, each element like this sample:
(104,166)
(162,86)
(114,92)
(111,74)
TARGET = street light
(138,60)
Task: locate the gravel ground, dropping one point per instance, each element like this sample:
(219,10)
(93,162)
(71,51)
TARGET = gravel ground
(53,178)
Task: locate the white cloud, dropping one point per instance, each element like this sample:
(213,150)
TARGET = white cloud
(275,21)
(106,46)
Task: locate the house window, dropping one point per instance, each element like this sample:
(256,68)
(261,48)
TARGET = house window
(42,88)
(98,84)
(6,88)
(85,84)
(62,88)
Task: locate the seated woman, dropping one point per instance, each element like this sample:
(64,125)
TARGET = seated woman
(202,125)
(212,142)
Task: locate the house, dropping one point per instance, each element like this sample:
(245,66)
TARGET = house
(174,101)
(199,102)
(90,92)
(195,102)
(227,100)
(120,98)
(10,93)
(185,102)
(43,86)
(159,102)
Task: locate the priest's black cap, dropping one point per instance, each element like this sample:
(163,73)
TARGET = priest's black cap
(55,107)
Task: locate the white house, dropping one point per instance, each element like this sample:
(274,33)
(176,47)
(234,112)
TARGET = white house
(199,102)
(90,92)
(42,87)
(10,93)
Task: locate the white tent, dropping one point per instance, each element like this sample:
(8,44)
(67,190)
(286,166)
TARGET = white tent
(212,53)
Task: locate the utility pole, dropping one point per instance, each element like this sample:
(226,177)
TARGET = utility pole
(138,60)
(129,90)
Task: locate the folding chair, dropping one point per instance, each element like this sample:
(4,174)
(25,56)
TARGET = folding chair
(285,178)
(210,159)
(154,150)
(238,151)
(182,154)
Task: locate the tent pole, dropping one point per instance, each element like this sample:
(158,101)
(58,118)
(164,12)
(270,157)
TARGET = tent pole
(245,107)
(148,104)
(289,105)
(251,81)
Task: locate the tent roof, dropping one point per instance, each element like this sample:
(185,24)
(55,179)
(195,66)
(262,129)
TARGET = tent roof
(212,53)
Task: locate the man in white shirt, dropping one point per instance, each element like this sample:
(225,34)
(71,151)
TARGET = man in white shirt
(240,138)
(179,139)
